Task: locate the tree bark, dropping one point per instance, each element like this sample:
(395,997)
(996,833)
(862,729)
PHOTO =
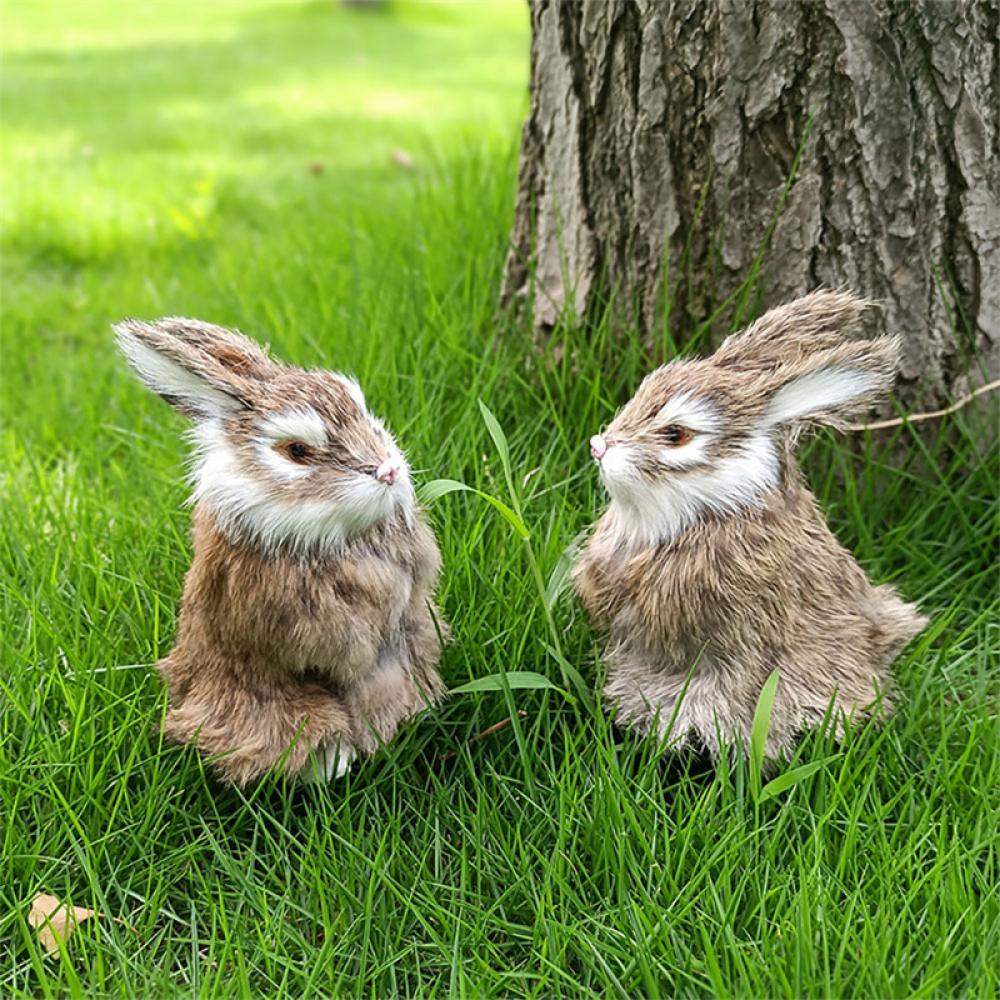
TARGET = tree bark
(662,136)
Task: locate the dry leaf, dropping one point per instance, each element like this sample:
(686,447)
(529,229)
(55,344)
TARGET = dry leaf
(55,921)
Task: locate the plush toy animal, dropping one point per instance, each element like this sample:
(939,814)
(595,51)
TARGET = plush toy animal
(306,632)
(713,564)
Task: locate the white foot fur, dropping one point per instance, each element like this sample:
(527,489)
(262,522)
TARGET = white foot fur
(326,763)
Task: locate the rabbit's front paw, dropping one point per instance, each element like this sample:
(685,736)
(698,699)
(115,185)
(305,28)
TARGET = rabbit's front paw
(327,762)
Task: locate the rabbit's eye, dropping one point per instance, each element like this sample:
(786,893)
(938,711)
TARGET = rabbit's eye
(674,435)
(298,451)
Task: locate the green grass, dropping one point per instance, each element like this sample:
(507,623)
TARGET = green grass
(157,160)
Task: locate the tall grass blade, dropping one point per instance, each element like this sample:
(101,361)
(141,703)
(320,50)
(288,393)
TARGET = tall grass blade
(759,730)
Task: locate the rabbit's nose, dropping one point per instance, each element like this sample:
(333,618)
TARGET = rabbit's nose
(388,471)
(598,447)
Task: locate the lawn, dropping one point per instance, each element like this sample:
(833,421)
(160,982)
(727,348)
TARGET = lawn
(339,182)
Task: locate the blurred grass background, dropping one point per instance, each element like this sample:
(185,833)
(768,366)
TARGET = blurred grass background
(338,181)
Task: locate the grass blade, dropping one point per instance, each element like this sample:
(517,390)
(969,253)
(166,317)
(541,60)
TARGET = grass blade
(513,679)
(438,488)
(558,578)
(499,441)
(759,730)
(789,779)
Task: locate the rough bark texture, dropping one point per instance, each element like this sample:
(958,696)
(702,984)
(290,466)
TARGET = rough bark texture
(663,133)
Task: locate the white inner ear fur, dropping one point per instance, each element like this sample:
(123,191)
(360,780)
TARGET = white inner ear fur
(168,378)
(648,513)
(820,390)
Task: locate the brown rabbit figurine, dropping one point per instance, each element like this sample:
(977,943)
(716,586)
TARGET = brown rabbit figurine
(306,633)
(713,565)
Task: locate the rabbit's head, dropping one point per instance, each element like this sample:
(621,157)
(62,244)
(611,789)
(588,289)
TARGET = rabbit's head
(287,458)
(709,435)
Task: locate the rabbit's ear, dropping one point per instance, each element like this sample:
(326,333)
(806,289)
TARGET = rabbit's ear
(816,322)
(202,370)
(826,386)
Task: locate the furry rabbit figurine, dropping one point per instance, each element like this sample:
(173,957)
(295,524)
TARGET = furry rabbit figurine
(713,565)
(306,632)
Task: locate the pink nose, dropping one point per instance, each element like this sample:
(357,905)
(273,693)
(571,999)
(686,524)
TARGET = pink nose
(388,471)
(598,446)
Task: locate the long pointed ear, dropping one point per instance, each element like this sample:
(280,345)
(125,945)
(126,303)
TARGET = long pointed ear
(827,386)
(816,322)
(202,370)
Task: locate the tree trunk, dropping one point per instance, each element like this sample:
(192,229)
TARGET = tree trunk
(662,136)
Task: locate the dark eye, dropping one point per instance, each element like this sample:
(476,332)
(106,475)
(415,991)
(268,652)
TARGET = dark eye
(674,435)
(298,451)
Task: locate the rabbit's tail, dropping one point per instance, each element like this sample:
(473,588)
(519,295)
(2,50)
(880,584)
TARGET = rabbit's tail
(895,621)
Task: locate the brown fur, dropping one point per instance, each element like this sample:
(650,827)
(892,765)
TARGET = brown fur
(285,645)
(277,654)
(736,595)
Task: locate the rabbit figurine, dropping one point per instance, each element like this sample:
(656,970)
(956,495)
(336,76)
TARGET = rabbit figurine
(306,632)
(713,565)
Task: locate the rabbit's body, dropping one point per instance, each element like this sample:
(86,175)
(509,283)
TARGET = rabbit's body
(307,632)
(342,646)
(734,598)
(713,565)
